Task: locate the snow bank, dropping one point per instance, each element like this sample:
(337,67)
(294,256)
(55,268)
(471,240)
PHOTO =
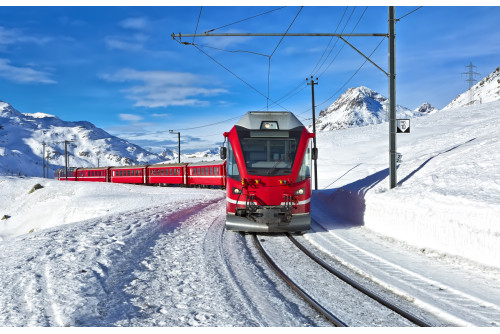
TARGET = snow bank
(448,194)
(62,202)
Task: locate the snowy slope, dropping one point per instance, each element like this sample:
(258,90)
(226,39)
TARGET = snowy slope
(486,90)
(448,198)
(22,135)
(359,106)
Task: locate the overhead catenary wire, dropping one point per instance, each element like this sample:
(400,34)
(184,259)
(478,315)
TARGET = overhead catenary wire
(227,25)
(198,22)
(329,42)
(413,11)
(347,81)
(297,89)
(272,53)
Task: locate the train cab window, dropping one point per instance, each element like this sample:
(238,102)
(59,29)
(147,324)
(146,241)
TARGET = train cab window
(232,168)
(269,153)
(305,168)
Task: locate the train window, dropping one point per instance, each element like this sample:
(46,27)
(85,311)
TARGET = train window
(232,168)
(216,171)
(305,168)
(206,170)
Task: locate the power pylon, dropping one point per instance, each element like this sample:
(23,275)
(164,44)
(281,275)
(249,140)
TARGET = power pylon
(470,79)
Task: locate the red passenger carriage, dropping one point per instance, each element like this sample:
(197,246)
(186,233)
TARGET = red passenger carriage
(212,173)
(167,174)
(128,174)
(93,174)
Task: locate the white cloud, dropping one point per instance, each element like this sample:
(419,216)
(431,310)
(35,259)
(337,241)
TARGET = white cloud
(134,23)
(23,74)
(13,36)
(130,117)
(164,88)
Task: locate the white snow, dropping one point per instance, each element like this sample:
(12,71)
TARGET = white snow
(22,137)
(128,255)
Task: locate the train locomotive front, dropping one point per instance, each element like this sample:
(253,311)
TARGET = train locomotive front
(268,174)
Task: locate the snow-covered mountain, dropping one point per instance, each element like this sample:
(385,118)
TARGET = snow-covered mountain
(359,106)
(486,90)
(22,137)
(426,108)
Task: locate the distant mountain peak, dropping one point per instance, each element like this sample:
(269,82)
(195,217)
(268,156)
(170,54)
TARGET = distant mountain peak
(358,106)
(426,108)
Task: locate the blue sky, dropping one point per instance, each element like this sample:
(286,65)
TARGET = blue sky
(119,68)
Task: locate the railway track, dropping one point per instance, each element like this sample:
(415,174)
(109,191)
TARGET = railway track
(336,320)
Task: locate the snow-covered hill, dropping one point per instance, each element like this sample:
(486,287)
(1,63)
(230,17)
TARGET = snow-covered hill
(486,90)
(22,137)
(360,106)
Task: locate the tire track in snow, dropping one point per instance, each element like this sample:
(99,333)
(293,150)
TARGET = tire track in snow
(77,272)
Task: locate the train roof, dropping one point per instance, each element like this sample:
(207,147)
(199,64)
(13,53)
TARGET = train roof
(207,163)
(285,119)
(182,164)
(128,167)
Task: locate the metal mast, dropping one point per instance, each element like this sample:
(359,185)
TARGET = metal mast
(470,79)
(392,99)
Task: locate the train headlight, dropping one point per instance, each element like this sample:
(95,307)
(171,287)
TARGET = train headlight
(236,191)
(301,191)
(269,125)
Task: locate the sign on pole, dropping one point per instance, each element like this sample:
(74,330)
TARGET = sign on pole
(403,126)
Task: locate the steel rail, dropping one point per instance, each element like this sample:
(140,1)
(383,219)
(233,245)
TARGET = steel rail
(329,316)
(357,286)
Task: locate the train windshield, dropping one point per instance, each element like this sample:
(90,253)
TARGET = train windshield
(269,153)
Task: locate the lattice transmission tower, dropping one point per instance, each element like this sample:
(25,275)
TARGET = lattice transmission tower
(470,79)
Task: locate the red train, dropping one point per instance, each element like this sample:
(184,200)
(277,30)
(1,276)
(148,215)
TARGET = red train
(267,173)
(212,173)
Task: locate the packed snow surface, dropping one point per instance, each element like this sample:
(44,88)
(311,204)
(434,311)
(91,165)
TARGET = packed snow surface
(86,254)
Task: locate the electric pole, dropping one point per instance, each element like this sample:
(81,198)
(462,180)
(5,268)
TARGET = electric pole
(43,160)
(470,79)
(66,157)
(179,139)
(312,83)
(392,98)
